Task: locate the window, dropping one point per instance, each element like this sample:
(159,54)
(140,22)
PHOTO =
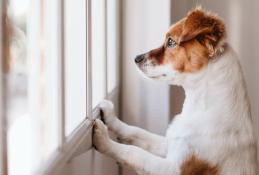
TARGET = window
(98,52)
(32,86)
(75,63)
(112,43)
(61,59)
(104,48)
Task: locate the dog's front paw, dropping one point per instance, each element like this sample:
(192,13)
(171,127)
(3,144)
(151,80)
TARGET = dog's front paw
(107,111)
(101,139)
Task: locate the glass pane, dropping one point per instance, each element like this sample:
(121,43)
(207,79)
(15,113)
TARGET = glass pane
(75,63)
(112,43)
(98,51)
(32,120)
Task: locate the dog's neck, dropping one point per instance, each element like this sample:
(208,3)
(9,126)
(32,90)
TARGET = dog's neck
(218,89)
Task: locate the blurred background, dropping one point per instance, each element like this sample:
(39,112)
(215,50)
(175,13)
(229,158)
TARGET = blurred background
(60,58)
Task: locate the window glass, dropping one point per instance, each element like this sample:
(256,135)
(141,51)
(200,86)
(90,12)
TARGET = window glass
(75,63)
(112,44)
(31,113)
(98,51)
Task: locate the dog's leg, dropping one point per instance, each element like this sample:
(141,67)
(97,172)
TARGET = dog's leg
(132,135)
(143,162)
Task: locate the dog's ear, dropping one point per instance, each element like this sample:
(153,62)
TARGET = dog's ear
(206,27)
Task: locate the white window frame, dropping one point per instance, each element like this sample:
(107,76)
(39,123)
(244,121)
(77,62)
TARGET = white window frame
(80,140)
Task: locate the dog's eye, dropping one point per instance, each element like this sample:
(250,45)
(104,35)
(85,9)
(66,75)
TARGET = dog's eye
(170,43)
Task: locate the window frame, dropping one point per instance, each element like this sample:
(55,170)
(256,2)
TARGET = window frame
(79,140)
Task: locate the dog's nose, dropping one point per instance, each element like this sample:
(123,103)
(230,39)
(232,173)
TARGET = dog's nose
(139,58)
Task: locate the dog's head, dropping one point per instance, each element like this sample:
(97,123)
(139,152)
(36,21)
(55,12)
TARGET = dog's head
(188,47)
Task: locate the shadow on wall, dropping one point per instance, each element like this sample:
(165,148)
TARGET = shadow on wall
(242,30)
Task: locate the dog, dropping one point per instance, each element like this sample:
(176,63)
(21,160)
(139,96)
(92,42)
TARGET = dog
(213,135)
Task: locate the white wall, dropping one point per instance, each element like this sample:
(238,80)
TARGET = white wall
(144,103)
(241,18)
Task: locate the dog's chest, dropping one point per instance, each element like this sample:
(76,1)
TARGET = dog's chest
(179,138)
(185,138)
(180,129)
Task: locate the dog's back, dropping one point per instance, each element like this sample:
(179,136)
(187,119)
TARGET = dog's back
(216,123)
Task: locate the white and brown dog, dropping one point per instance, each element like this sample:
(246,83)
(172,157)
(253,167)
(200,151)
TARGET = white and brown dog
(213,135)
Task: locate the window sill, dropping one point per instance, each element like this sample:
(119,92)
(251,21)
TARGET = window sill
(78,142)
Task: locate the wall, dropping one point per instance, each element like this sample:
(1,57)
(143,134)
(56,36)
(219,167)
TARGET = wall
(145,103)
(241,18)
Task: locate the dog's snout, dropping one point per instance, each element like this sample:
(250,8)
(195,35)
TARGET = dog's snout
(139,58)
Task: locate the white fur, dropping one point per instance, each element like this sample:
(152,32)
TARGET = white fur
(215,125)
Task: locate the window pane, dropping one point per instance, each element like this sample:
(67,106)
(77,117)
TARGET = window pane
(112,43)
(31,86)
(98,51)
(75,63)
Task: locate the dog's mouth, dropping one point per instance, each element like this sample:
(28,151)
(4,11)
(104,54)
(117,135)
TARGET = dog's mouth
(149,68)
(150,71)
(157,76)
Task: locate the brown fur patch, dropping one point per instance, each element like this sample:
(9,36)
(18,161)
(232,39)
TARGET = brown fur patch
(198,38)
(206,27)
(199,21)
(194,166)
(157,54)
(189,57)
